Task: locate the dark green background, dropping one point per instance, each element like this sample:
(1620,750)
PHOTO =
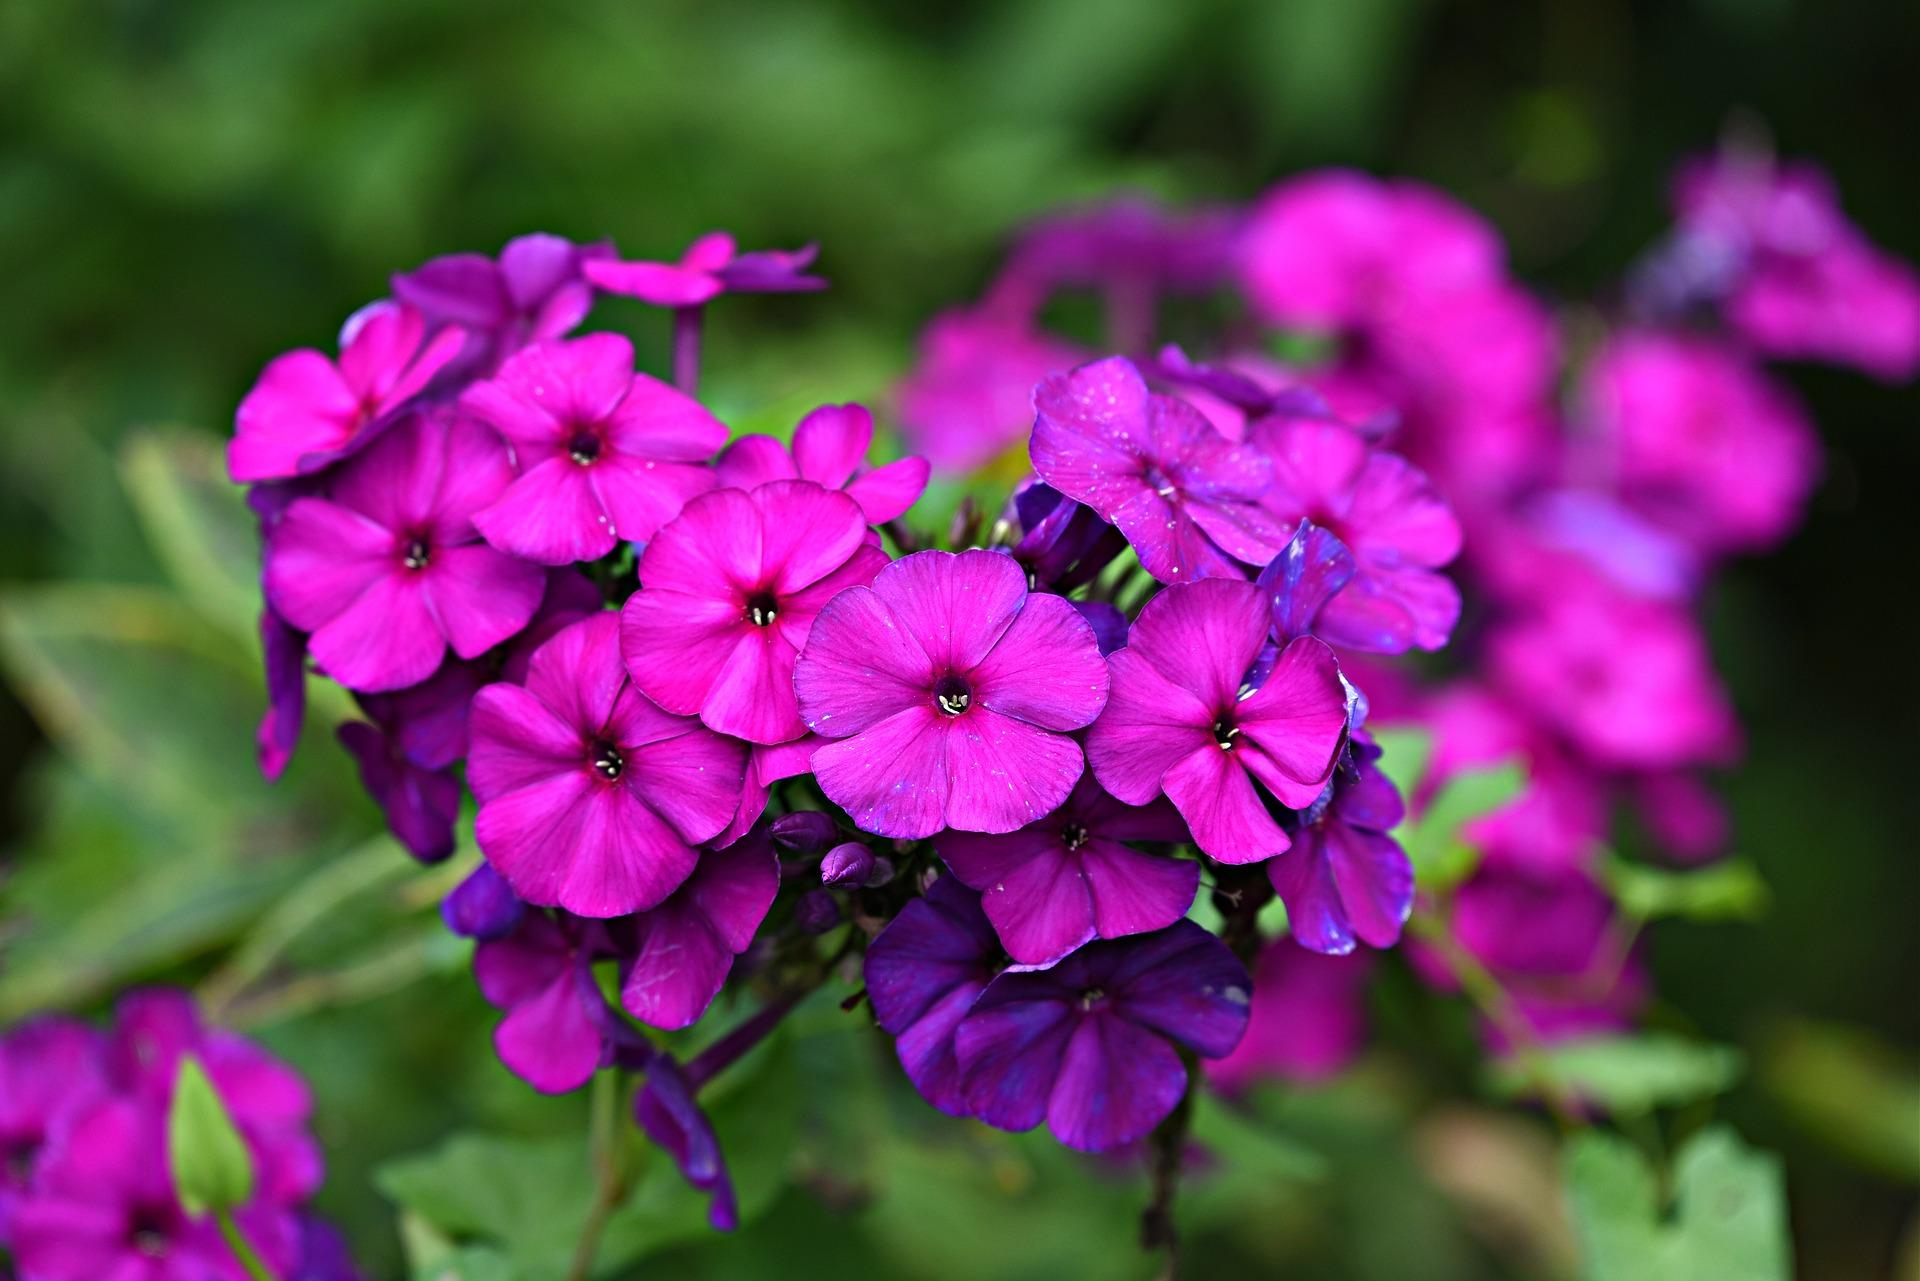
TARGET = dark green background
(188,188)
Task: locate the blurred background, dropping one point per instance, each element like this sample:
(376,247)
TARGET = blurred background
(188,187)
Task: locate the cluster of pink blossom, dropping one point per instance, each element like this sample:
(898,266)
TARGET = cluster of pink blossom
(1592,517)
(86,1186)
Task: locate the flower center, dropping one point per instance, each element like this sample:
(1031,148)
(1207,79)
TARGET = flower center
(417,554)
(148,1233)
(1161,482)
(1074,835)
(16,1161)
(584,448)
(1091,997)
(762,609)
(953,695)
(1223,733)
(607,760)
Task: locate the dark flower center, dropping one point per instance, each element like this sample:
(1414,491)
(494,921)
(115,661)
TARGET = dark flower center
(417,554)
(762,609)
(16,1161)
(1091,997)
(606,759)
(584,448)
(953,694)
(1161,482)
(1074,835)
(1223,732)
(147,1232)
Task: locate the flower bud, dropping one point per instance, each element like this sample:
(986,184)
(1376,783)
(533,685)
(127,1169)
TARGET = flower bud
(817,912)
(803,832)
(882,872)
(482,906)
(848,864)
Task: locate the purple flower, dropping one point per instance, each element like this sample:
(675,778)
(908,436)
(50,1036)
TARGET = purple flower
(667,1111)
(591,797)
(1345,878)
(387,572)
(1063,544)
(1308,1018)
(483,906)
(767,764)
(603,453)
(1186,498)
(1309,571)
(923,974)
(570,597)
(532,293)
(849,863)
(1068,878)
(729,591)
(306,412)
(970,397)
(553,1036)
(1386,513)
(711,266)
(1092,1045)
(804,832)
(283,653)
(952,690)
(406,755)
(829,448)
(1178,722)
(1125,241)
(103,1209)
(679,953)
(50,1069)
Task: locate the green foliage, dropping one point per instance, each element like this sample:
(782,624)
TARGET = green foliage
(1436,841)
(1849,1089)
(1632,1073)
(212,1170)
(1729,890)
(1725,1216)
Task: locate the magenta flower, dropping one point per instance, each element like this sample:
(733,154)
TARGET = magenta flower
(103,1209)
(591,797)
(1092,1045)
(387,572)
(532,293)
(923,974)
(730,589)
(767,764)
(306,412)
(681,951)
(1345,879)
(1308,1018)
(1071,877)
(970,396)
(1178,723)
(1186,498)
(483,906)
(829,448)
(711,266)
(554,1034)
(951,690)
(1309,571)
(50,1069)
(283,656)
(603,453)
(1702,442)
(1386,514)
(669,1114)
(406,751)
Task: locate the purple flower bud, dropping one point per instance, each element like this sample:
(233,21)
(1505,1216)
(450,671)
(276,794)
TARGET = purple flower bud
(848,864)
(482,906)
(817,912)
(804,832)
(882,872)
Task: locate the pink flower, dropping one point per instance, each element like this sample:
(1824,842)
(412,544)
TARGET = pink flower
(970,396)
(1704,443)
(682,950)
(730,589)
(952,690)
(1309,1018)
(591,797)
(1178,723)
(829,448)
(306,411)
(603,453)
(387,572)
(1387,514)
(711,266)
(533,292)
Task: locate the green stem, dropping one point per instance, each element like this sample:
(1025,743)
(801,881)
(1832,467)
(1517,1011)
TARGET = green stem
(1497,1004)
(606,1147)
(386,971)
(243,1250)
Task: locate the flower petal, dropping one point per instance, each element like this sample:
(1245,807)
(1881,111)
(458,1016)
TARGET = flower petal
(1045,669)
(892,777)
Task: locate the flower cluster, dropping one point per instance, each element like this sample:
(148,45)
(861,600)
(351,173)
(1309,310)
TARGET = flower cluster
(1428,405)
(86,1188)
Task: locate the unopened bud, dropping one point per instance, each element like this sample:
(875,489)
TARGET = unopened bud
(817,912)
(803,832)
(848,864)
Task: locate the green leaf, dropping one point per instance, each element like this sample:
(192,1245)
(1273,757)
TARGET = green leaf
(1404,754)
(1441,856)
(212,1170)
(1730,890)
(1848,1089)
(196,522)
(1728,1217)
(1633,1074)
